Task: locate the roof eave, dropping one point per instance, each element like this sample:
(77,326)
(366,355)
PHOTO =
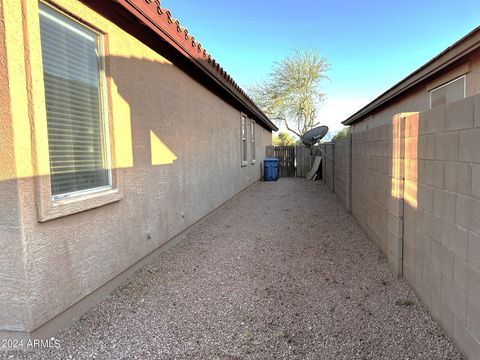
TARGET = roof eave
(146,13)
(453,53)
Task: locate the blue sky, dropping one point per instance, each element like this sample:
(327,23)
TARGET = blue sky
(371,45)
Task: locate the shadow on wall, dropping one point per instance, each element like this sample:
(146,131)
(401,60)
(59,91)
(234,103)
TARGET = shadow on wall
(134,121)
(166,109)
(138,105)
(415,190)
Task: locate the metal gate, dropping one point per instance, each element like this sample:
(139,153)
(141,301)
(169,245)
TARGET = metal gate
(286,159)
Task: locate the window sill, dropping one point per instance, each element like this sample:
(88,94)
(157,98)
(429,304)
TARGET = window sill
(49,209)
(244,163)
(254,161)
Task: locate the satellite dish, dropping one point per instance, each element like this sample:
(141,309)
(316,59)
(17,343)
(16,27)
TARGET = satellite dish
(312,136)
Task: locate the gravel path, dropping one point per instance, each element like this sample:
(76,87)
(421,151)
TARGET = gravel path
(281,271)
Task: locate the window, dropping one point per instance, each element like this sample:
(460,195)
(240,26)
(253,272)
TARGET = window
(253,138)
(447,93)
(244,126)
(73,81)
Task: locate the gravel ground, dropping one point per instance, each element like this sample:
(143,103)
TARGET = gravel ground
(281,271)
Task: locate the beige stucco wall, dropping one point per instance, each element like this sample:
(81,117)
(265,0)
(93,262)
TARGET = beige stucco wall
(12,275)
(69,257)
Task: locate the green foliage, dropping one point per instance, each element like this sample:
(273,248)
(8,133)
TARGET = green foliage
(283,139)
(342,134)
(291,94)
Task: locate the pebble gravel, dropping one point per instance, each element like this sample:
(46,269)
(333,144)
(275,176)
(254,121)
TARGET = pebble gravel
(279,272)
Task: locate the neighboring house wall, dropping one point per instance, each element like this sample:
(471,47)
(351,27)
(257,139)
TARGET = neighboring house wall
(417,99)
(149,101)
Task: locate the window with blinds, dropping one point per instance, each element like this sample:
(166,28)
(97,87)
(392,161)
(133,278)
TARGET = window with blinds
(253,139)
(447,93)
(72,71)
(244,140)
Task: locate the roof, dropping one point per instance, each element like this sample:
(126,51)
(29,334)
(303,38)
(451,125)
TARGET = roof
(453,53)
(149,14)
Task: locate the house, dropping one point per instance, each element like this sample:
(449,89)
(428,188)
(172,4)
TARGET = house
(410,175)
(118,132)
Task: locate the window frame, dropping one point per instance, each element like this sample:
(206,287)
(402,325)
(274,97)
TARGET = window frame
(51,207)
(253,141)
(244,139)
(464,77)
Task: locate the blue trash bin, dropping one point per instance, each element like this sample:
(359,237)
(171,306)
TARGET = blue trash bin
(270,169)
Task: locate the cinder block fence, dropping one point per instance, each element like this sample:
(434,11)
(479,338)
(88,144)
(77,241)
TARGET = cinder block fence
(413,184)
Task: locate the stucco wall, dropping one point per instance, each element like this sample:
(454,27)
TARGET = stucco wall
(13,310)
(69,257)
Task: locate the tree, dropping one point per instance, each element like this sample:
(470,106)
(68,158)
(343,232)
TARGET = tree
(342,134)
(283,139)
(291,94)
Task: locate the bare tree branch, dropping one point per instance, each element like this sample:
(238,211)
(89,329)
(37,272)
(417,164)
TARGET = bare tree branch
(291,95)
(289,129)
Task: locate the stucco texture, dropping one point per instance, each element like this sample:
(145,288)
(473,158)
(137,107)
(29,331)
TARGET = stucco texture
(13,310)
(69,257)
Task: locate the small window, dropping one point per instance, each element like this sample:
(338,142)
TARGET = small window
(253,138)
(447,93)
(77,131)
(244,126)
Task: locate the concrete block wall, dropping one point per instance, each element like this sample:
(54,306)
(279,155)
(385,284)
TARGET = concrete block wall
(327,151)
(415,190)
(413,184)
(370,181)
(342,171)
(442,217)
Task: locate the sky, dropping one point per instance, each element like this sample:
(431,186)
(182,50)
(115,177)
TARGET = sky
(371,45)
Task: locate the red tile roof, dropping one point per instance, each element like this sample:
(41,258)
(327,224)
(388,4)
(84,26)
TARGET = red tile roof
(150,13)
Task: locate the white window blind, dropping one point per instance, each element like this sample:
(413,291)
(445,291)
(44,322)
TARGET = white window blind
(253,139)
(450,92)
(76,131)
(244,140)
